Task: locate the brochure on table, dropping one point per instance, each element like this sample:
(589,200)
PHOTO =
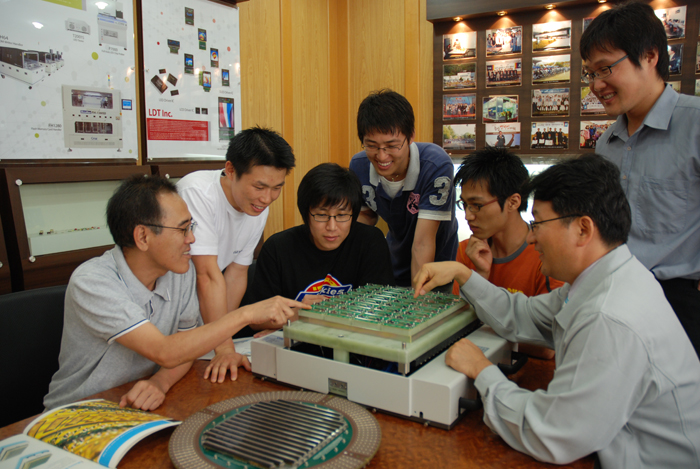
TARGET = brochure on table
(192,78)
(86,434)
(68,84)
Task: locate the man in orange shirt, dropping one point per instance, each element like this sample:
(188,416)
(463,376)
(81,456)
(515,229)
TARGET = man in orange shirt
(491,196)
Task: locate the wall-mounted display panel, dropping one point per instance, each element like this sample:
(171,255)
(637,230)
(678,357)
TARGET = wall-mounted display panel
(192,77)
(550,102)
(673,20)
(500,109)
(503,135)
(590,104)
(504,73)
(551,36)
(67,80)
(459,137)
(551,69)
(459,106)
(504,41)
(459,46)
(459,76)
(591,131)
(57,217)
(549,135)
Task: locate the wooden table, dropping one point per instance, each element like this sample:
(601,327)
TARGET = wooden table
(470,444)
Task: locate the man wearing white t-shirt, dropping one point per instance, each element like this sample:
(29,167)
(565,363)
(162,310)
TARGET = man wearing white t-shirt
(231,208)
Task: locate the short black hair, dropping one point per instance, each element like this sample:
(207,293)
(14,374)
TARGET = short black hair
(387,112)
(259,146)
(328,185)
(632,27)
(135,202)
(588,185)
(502,173)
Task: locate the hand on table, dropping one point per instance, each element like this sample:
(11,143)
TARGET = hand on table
(226,359)
(145,395)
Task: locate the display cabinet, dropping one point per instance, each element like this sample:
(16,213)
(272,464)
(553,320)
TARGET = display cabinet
(178,170)
(56,219)
(5,281)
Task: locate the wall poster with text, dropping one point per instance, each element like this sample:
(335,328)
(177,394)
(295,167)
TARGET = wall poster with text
(192,78)
(68,86)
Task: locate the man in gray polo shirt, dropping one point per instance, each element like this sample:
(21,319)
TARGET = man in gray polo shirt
(133,312)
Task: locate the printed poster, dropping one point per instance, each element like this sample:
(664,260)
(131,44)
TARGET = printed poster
(68,82)
(195,113)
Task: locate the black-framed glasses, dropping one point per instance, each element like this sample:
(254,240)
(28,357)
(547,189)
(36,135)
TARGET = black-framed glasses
(474,208)
(390,150)
(533,224)
(602,72)
(186,230)
(324,218)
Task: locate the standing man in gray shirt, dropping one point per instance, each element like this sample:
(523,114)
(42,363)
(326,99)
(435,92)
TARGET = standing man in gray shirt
(133,313)
(656,144)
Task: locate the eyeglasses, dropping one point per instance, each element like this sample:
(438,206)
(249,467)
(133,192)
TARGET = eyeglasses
(186,230)
(390,150)
(474,208)
(324,218)
(533,224)
(602,72)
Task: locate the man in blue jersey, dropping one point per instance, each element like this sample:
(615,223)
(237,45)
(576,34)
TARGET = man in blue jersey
(408,184)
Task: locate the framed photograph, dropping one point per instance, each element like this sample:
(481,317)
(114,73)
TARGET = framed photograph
(551,69)
(676,85)
(458,106)
(590,105)
(697,87)
(459,46)
(504,41)
(591,132)
(673,20)
(459,137)
(549,135)
(500,109)
(552,36)
(459,76)
(503,135)
(697,59)
(550,102)
(504,73)
(675,58)
(587,21)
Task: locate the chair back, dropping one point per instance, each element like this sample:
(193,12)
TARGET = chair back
(31,325)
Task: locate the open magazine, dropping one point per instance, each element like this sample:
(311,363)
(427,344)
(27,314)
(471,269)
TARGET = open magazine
(86,434)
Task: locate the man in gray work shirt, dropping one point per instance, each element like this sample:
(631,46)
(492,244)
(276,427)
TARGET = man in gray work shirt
(656,144)
(132,313)
(627,383)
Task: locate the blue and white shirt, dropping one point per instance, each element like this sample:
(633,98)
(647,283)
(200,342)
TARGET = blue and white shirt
(428,193)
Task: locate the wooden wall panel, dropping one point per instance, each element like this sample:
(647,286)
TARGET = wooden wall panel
(307,64)
(311,90)
(261,79)
(376,57)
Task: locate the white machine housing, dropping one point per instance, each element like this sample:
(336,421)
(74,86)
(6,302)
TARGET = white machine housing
(429,395)
(22,65)
(91,117)
(111,30)
(79,26)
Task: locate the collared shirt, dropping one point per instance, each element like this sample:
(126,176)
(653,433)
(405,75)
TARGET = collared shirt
(660,174)
(104,301)
(627,379)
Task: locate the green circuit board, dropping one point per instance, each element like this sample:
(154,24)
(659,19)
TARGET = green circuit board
(382,308)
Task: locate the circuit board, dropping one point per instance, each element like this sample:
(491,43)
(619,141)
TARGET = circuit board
(384,311)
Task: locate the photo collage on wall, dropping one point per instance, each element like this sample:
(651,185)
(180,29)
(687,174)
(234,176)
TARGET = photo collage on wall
(492,108)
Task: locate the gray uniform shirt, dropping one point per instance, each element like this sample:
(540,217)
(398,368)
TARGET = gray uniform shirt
(104,301)
(660,174)
(627,379)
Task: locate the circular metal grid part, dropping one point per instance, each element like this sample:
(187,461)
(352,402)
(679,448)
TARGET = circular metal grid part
(185,449)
